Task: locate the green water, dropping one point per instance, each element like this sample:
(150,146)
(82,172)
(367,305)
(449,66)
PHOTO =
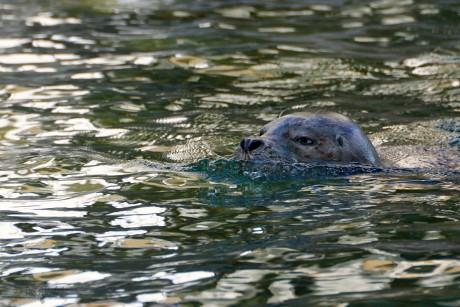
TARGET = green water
(117,118)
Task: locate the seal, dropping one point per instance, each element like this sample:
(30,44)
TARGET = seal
(310,137)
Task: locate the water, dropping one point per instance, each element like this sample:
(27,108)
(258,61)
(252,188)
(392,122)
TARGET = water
(117,118)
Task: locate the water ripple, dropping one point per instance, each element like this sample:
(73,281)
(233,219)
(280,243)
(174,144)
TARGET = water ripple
(116,118)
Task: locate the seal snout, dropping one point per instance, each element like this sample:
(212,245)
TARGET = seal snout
(249,145)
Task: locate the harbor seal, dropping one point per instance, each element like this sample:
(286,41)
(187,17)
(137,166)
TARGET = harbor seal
(310,137)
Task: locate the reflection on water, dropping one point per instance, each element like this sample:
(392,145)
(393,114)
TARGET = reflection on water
(116,117)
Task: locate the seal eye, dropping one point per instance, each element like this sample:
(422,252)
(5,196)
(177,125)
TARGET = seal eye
(305,141)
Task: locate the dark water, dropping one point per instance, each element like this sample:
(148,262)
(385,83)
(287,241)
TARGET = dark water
(116,118)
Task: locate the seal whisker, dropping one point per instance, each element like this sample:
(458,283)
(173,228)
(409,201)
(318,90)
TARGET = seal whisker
(282,112)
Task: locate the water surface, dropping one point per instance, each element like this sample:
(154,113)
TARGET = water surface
(117,118)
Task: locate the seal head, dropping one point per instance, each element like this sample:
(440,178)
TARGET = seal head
(308,137)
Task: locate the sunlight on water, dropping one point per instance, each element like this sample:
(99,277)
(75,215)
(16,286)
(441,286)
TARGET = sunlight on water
(9,231)
(30,58)
(139,217)
(44,19)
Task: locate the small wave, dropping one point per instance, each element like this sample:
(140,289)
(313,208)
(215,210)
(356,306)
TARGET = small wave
(236,170)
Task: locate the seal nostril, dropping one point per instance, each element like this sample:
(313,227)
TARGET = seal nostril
(249,145)
(340,141)
(255,144)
